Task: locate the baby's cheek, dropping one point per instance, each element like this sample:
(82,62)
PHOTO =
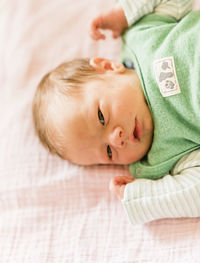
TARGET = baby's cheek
(127,156)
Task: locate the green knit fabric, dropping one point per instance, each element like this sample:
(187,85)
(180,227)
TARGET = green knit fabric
(176,118)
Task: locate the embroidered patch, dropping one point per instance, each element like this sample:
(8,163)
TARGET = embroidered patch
(166,77)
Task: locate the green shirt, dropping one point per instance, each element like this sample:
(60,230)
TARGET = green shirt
(166,54)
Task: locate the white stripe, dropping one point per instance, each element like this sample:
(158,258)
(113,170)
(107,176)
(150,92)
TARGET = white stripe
(149,208)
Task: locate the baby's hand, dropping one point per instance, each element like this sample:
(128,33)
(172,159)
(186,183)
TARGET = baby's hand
(118,183)
(114,20)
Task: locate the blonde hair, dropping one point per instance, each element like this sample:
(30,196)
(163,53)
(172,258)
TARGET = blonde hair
(65,81)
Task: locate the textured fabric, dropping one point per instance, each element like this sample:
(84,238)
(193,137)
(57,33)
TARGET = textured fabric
(176,118)
(136,9)
(52,211)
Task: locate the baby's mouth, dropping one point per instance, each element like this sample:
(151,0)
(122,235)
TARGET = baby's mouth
(137,133)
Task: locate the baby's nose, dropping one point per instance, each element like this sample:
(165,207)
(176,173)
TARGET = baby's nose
(117,137)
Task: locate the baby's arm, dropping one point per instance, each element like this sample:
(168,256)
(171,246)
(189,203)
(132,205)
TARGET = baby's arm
(125,13)
(128,12)
(173,196)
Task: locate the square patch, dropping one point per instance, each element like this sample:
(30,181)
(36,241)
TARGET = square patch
(166,77)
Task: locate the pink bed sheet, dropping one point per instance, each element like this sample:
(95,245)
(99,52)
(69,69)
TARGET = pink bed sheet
(50,210)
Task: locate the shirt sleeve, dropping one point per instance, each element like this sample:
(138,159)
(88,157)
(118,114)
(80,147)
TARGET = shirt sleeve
(136,9)
(173,196)
(175,8)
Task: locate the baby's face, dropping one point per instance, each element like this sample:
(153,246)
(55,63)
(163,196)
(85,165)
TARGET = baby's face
(109,123)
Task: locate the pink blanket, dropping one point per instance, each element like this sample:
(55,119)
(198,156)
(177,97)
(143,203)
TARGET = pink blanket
(50,210)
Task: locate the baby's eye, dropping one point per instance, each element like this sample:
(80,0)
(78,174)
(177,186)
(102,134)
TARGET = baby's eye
(109,152)
(101,117)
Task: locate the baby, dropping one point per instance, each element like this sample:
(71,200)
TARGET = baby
(96,111)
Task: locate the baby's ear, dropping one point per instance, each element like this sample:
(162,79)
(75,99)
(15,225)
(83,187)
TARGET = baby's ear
(103,65)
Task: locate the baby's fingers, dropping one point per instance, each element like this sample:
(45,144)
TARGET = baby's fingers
(117,190)
(94,29)
(96,34)
(120,180)
(115,34)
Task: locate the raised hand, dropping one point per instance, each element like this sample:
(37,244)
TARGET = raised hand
(114,20)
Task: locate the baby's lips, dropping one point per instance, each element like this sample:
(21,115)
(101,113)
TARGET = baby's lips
(137,132)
